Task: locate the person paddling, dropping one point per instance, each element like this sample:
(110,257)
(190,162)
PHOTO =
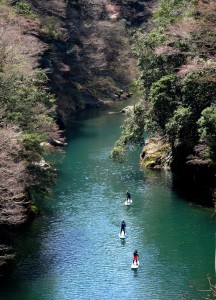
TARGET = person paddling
(123,226)
(128,196)
(135,257)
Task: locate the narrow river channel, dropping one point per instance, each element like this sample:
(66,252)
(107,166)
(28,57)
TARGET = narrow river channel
(73,251)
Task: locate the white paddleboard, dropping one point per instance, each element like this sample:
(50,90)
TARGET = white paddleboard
(128,202)
(122,235)
(135,265)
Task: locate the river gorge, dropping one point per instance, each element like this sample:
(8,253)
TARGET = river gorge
(73,251)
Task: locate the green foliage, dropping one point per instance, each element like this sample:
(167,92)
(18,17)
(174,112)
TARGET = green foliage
(154,66)
(154,61)
(49,28)
(198,90)
(175,103)
(151,71)
(31,143)
(207,128)
(119,152)
(39,77)
(24,100)
(33,209)
(182,45)
(27,106)
(179,128)
(155,37)
(44,180)
(132,133)
(23,8)
(164,99)
(168,11)
(27,115)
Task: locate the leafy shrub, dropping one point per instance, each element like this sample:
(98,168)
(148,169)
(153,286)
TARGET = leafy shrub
(207,128)
(168,11)
(164,99)
(23,8)
(175,103)
(31,142)
(132,133)
(49,28)
(24,101)
(198,90)
(180,128)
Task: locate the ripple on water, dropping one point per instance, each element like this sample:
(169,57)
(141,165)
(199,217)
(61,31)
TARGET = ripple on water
(78,254)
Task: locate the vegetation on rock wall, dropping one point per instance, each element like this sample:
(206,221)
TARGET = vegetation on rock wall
(27,118)
(176,58)
(88,57)
(132,133)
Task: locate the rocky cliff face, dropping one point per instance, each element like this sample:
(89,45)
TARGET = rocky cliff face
(195,180)
(88,57)
(178,72)
(156,154)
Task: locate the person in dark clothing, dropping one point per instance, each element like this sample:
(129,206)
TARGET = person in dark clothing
(135,257)
(128,195)
(123,226)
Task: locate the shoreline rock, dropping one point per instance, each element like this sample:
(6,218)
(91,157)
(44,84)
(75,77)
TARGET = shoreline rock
(156,154)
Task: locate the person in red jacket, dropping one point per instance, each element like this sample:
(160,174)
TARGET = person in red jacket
(135,257)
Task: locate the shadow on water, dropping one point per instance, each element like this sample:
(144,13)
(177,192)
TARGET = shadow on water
(57,253)
(29,264)
(192,191)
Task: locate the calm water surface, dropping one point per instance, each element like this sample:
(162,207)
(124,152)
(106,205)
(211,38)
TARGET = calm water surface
(73,250)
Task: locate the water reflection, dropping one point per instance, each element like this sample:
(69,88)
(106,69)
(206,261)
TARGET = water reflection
(75,251)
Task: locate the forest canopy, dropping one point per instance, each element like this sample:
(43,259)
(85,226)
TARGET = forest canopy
(176,59)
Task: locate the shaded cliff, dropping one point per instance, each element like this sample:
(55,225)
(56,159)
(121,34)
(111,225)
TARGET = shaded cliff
(88,57)
(180,91)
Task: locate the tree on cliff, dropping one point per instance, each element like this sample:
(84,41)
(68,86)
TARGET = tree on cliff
(27,118)
(177,74)
(14,178)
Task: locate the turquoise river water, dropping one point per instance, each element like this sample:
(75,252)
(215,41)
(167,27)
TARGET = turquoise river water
(73,251)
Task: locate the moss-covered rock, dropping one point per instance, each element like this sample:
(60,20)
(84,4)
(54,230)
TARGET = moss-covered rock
(156,154)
